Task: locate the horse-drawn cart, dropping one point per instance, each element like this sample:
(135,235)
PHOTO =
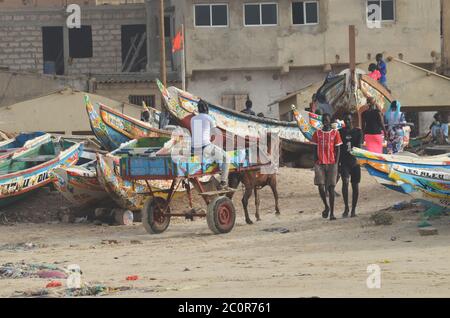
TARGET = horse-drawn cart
(220,212)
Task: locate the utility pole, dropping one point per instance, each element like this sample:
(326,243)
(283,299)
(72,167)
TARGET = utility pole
(162,48)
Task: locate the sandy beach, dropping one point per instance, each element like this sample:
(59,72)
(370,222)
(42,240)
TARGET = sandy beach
(315,258)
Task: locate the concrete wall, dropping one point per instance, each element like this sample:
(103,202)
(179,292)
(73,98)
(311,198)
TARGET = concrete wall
(415,34)
(63,112)
(12,86)
(25,4)
(446,36)
(263,86)
(121,91)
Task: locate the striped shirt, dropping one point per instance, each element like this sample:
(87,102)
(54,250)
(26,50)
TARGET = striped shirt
(326,142)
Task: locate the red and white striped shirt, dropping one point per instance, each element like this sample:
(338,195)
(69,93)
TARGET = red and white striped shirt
(326,142)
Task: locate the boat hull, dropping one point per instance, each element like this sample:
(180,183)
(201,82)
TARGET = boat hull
(183,106)
(16,184)
(113,128)
(79,185)
(424,184)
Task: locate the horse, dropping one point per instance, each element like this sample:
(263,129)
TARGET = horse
(253,181)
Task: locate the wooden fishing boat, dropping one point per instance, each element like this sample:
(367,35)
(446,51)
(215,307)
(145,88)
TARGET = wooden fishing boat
(347,92)
(127,194)
(79,184)
(21,143)
(113,128)
(427,184)
(379,165)
(183,106)
(309,127)
(22,174)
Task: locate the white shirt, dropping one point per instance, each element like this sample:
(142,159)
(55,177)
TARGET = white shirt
(201,126)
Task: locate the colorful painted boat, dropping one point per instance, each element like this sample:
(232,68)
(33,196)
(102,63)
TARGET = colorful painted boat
(21,143)
(346,94)
(79,184)
(129,195)
(309,127)
(29,171)
(427,184)
(113,128)
(379,165)
(183,106)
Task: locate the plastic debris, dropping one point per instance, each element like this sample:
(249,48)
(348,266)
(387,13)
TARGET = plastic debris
(132,277)
(21,270)
(51,274)
(53,284)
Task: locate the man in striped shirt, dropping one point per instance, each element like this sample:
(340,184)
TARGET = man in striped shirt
(327,141)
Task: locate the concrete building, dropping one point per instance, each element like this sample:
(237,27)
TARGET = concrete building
(421,93)
(445,37)
(235,49)
(268,49)
(116,44)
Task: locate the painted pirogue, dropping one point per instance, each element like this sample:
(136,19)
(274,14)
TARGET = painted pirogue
(30,170)
(426,178)
(113,128)
(183,106)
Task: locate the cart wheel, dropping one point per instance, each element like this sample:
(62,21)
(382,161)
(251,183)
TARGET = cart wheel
(123,217)
(221,215)
(152,217)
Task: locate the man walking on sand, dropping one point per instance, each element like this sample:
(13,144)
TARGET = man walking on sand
(327,141)
(348,166)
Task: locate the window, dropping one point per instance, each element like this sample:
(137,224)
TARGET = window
(387,9)
(234,101)
(80,42)
(138,99)
(260,14)
(134,47)
(305,12)
(212,15)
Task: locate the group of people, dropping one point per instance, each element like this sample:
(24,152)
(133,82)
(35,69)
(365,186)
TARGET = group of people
(333,158)
(378,71)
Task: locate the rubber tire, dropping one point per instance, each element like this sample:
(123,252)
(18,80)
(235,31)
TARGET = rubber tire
(148,214)
(215,224)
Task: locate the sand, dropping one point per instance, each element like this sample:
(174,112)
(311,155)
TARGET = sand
(315,258)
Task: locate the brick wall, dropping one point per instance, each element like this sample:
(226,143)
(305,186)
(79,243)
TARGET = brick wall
(21,37)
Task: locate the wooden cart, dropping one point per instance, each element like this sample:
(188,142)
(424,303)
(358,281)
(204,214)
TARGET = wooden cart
(220,212)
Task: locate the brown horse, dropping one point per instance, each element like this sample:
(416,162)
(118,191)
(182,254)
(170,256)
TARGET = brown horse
(253,181)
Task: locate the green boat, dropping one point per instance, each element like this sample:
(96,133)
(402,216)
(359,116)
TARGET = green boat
(30,170)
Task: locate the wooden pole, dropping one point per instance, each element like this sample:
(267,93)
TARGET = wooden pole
(183,61)
(162,48)
(352,48)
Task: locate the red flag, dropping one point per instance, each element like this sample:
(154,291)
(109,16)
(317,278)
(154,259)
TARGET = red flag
(177,43)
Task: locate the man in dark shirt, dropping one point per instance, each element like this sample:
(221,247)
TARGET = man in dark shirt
(348,166)
(248,108)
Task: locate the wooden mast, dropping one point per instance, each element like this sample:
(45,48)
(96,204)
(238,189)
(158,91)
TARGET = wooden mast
(162,47)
